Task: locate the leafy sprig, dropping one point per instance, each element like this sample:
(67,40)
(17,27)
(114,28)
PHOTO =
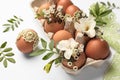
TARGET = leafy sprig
(12,23)
(110,5)
(50,51)
(48,66)
(6,55)
(101,10)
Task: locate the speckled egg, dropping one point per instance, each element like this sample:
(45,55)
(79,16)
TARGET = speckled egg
(97,49)
(27,40)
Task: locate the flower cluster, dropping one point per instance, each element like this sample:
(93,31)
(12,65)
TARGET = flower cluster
(70,48)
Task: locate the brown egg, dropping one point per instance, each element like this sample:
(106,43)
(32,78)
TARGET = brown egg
(76,63)
(43,6)
(82,40)
(97,49)
(64,3)
(61,35)
(27,41)
(56,1)
(72,9)
(53,27)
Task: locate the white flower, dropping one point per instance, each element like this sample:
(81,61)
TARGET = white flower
(86,26)
(68,46)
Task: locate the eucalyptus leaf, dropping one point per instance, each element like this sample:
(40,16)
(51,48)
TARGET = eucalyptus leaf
(38,52)
(5,63)
(11,60)
(48,66)
(9,54)
(47,56)
(7,29)
(44,43)
(1,58)
(51,44)
(3,45)
(7,49)
(105,13)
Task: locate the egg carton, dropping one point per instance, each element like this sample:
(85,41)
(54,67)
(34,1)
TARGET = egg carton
(89,62)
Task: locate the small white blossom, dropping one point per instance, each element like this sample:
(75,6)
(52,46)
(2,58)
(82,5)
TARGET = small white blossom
(79,34)
(50,34)
(68,46)
(52,9)
(59,8)
(86,26)
(81,48)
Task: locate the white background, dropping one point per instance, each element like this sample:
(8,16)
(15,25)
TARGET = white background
(27,68)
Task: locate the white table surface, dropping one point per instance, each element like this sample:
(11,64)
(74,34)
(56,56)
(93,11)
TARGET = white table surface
(27,68)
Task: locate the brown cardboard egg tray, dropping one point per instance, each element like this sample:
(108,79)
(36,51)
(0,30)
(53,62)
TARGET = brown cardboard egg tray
(89,62)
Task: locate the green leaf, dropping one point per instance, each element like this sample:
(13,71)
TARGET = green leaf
(1,58)
(18,22)
(15,17)
(57,60)
(92,13)
(12,27)
(103,3)
(49,55)
(6,25)
(3,45)
(51,44)
(44,43)
(9,54)
(5,63)
(48,66)
(7,49)
(100,23)
(38,52)
(105,13)
(0,53)
(114,5)
(10,21)
(21,19)
(16,25)
(7,29)
(11,60)
(13,20)
(109,4)
(97,9)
